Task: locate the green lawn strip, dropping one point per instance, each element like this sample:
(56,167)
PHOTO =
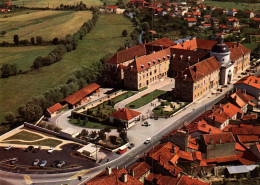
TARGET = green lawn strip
(145,99)
(104,38)
(45,142)
(23,135)
(158,111)
(251,45)
(236,5)
(89,124)
(123,97)
(24,59)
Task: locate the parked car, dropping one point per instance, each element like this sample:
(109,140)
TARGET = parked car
(29,148)
(54,164)
(37,149)
(51,150)
(131,145)
(36,162)
(43,163)
(146,123)
(14,160)
(121,151)
(8,147)
(148,140)
(60,164)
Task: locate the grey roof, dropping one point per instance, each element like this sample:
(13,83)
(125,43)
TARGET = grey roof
(241,169)
(184,39)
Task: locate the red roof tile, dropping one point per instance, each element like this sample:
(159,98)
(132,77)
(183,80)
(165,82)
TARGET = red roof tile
(125,114)
(140,168)
(191,19)
(113,179)
(54,108)
(248,138)
(127,54)
(246,131)
(185,155)
(226,137)
(249,117)
(82,93)
(241,98)
(193,144)
(225,159)
(239,147)
(251,81)
(164,42)
(186,180)
(202,126)
(162,179)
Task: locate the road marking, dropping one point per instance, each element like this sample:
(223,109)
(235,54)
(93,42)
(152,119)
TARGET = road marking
(81,173)
(27,179)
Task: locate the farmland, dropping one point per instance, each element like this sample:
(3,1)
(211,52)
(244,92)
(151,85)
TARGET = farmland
(229,5)
(48,24)
(105,37)
(23,56)
(55,3)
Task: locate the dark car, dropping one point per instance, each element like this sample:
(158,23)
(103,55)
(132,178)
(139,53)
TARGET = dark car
(29,148)
(36,149)
(131,145)
(14,160)
(54,164)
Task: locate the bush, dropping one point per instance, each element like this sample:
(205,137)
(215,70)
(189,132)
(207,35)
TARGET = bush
(124,33)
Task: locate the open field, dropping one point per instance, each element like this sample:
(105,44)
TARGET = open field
(48,24)
(229,5)
(55,3)
(12,14)
(104,38)
(23,56)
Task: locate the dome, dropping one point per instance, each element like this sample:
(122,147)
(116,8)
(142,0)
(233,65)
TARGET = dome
(220,48)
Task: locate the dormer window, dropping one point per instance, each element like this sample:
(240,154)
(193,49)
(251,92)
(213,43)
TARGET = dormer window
(163,57)
(154,61)
(159,59)
(142,66)
(173,55)
(168,56)
(149,63)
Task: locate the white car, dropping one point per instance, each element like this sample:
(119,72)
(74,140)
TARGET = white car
(148,140)
(43,163)
(146,123)
(8,147)
(51,150)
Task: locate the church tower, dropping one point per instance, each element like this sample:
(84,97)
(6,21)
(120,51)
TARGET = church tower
(221,52)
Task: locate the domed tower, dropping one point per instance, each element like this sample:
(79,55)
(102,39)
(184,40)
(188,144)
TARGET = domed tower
(222,54)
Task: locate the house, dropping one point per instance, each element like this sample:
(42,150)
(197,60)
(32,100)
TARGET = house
(89,150)
(218,145)
(250,14)
(191,21)
(55,109)
(126,117)
(113,177)
(4,10)
(206,18)
(140,170)
(251,84)
(81,95)
(233,22)
(241,170)
(205,26)
(232,12)
(242,100)
(224,28)
(257,21)
(111,9)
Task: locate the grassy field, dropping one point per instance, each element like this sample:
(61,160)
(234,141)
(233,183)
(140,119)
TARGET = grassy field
(26,136)
(229,5)
(251,45)
(45,142)
(145,99)
(48,24)
(55,3)
(90,124)
(23,56)
(104,38)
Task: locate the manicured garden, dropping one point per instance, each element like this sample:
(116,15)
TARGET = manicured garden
(88,124)
(26,136)
(145,99)
(44,142)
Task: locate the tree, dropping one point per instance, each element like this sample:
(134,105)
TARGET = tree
(9,117)
(124,33)
(68,38)
(123,135)
(30,112)
(39,40)
(9,70)
(145,26)
(32,41)
(93,134)
(102,135)
(37,63)
(57,129)
(50,127)
(16,39)
(119,129)
(113,140)
(107,129)
(55,41)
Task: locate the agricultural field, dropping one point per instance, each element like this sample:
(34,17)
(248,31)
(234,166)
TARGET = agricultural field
(23,56)
(229,5)
(104,38)
(55,3)
(48,24)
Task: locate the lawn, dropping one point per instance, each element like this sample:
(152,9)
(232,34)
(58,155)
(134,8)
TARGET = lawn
(251,45)
(229,5)
(48,24)
(23,56)
(55,3)
(145,99)
(26,136)
(104,38)
(89,124)
(160,110)
(123,97)
(45,142)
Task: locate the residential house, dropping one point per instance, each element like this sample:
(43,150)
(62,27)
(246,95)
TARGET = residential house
(140,170)
(55,109)
(250,14)
(111,9)
(232,12)
(233,22)
(242,100)
(125,117)
(206,18)
(191,21)
(224,28)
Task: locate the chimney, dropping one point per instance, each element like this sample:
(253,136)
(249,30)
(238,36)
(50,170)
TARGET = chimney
(132,173)
(244,91)
(181,56)
(124,177)
(161,47)
(159,59)
(189,58)
(173,55)
(108,170)
(209,130)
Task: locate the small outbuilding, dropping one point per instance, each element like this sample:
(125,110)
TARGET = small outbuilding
(89,150)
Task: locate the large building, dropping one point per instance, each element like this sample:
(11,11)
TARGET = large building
(197,65)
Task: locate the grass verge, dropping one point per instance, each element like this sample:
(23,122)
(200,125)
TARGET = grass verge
(26,136)
(45,142)
(89,124)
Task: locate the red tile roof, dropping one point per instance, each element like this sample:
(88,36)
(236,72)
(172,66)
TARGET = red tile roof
(246,131)
(228,127)
(127,54)
(239,147)
(248,138)
(202,126)
(193,144)
(113,179)
(54,108)
(145,62)
(249,117)
(164,42)
(140,168)
(226,137)
(200,70)
(162,179)
(191,19)
(241,98)
(206,16)
(186,180)
(251,81)
(82,93)
(185,155)
(225,159)
(237,51)
(111,7)
(125,114)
